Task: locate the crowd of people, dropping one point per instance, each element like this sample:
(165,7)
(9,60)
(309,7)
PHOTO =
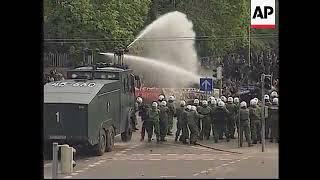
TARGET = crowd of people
(195,121)
(238,70)
(54,75)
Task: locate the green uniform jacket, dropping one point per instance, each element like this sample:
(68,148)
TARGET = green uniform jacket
(205,111)
(255,114)
(179,113)
(154,114)
(163,115)
(244,117)
(232,108)
(172,109)
(273,111)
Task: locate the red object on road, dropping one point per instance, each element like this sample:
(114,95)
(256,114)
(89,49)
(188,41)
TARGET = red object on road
(148,94)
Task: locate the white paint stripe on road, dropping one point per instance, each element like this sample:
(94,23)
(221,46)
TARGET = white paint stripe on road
(232,162)
(227,154)
(209,159)
(137,154)
(73,174)
(189,159)
(97,163)
(172,159)
(168,176)
(196,174)
(245,158)
(224,164)
(239,160)
(225,159)
(102,161)
(155,154)
(66,177)
(123,151)
(92,165)
(79,171)
(155,159)
(210,169)
(206,154)
(86,168)
(202,172)
(171,154)
(128,149)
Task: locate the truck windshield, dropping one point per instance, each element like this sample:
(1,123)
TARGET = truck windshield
(79,75)
(106,75)
(88,75)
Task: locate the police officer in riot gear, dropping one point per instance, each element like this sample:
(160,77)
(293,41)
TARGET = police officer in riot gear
(231,119)
(255,121)
(164,110)
(171,114)
(179,113)
(244,123)
(143,113)
(237,104)
(219,116)
(267,121)
(152,122)
(274,120)
(206,119)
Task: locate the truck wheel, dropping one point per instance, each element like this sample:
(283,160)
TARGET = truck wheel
(110,139)
(126,136)
(101,146)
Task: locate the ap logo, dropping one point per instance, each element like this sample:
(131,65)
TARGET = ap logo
(263,14)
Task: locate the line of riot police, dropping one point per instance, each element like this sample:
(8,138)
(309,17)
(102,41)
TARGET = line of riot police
(222,116)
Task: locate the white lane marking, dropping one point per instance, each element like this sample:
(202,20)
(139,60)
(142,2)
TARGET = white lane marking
(86,168)
(128,149)
(79,171)
(202,172)
(171,154)
(97,163)
(172,159)
(168,176)
(73,174)
(224,164)
(86,160)
(239,160)
(245,158)
(232,162)
(66,177)
(196,174)
(210,169)
(189,159)
(206,154)
(102,161)
(137,154)
(92,165)
(123,151)
(225,159)
(208,159)
(155,159)
(155,154)
(227,154)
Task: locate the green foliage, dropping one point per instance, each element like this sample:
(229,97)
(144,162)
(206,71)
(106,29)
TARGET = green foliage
(93,19)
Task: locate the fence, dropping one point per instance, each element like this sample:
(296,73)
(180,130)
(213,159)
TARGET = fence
(56,59)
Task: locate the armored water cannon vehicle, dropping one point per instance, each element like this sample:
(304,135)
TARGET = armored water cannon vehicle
(90,107)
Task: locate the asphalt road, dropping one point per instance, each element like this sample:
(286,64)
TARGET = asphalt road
(137,159)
